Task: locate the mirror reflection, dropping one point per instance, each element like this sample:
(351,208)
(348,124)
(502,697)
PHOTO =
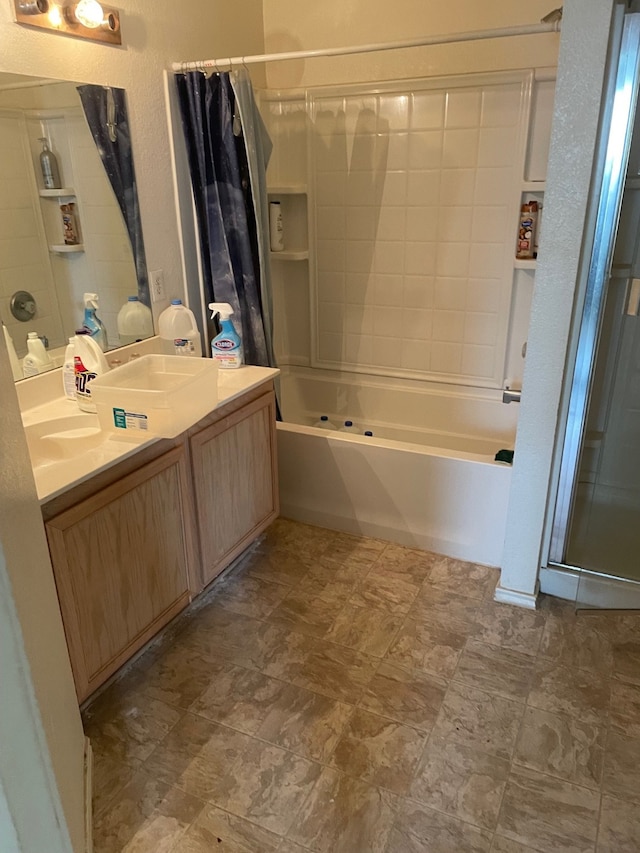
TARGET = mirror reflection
(71,241)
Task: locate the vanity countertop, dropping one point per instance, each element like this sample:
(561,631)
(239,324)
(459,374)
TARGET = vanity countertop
(57,477)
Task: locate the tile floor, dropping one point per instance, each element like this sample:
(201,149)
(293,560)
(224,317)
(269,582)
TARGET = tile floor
(344,695)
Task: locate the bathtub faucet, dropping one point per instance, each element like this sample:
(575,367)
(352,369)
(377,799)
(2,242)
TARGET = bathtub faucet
(509,395)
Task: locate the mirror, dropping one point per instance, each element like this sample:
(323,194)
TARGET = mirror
(57,244)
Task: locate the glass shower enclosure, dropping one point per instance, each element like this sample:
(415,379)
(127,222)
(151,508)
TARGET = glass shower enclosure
(596,525)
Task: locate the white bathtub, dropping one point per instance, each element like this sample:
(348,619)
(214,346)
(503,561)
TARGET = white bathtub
(426,479)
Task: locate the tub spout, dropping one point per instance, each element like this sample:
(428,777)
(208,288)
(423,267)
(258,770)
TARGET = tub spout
(509,395)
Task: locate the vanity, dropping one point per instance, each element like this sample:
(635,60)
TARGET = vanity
(138,527)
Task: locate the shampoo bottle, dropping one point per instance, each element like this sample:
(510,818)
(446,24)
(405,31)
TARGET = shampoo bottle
(226,348)
(37,360)
(49,167)
(92,323)
(16,370)
(89,362)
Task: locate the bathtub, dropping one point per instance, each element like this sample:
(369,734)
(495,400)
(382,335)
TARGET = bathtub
(426,479)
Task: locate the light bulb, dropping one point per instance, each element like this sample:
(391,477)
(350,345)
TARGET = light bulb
(89,13)
(55,16)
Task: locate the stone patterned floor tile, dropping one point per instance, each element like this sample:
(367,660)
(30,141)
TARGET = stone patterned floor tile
(109,778)
(482,720)
(461,781)
(624,713)
(217,634)
(496,670)
(276,650)
(345,815)
(251,596)
(237,697)
(426,646)
(448,609)
(305,723)
(214,829)
(505,845)
(419,829)
(510,627)
(570,691)
(407,696)
(129,729)
(288,846)
(622,767)
(148,816)
(365,629)
(385,591)
(560,746)
(404,562)
(337,672)
(379,751)
(626,661)
(468,579)
(283,567)
(305,614)
(267,786)
(575,641)
(196,756)
(619,827)
(548,813)
(353,549)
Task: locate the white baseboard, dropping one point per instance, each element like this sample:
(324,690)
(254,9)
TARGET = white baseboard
(88,795)
(519,599)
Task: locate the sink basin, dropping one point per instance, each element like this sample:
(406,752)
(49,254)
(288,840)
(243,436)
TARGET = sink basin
(62,438)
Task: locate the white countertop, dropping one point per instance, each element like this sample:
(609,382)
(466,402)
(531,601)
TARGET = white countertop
(54,478)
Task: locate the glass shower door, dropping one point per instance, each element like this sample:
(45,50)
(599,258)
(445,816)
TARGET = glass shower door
(597,518)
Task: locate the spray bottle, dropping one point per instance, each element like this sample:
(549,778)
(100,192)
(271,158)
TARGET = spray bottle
(93,323)
(226,348)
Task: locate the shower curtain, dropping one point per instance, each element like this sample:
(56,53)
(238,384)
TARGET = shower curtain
(228,149)
(105,110)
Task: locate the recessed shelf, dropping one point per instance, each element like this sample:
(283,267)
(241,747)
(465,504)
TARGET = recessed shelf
(291,255)
(289,189)
(63,192)
(534,186)
(65,249)
(525,263)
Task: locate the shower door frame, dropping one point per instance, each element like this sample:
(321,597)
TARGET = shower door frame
(618,119)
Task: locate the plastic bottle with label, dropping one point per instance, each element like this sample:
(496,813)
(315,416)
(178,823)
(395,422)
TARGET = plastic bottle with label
(89,362)
(178,331)
(69,371)
(37,360)
(324,423)
(49,167)
(135,321)
(226,348)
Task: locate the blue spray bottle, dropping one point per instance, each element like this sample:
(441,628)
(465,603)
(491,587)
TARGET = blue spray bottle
(93,323)
(226,348)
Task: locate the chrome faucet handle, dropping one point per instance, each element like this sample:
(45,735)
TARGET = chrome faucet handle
(510,395)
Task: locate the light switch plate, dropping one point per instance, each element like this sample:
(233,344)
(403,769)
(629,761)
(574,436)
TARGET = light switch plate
(156,284)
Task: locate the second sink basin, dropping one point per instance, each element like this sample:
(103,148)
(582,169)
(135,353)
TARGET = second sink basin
(62,438)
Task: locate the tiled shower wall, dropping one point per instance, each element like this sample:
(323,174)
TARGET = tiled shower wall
(414,196)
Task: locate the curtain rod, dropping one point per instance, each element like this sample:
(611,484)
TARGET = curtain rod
(472,35)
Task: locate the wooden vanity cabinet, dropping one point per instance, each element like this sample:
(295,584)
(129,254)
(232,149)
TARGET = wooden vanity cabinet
(134,544)
(235,481)
(120,560)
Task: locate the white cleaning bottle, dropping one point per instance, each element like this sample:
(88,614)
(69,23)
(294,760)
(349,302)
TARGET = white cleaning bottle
(89,362)
(37,360)
(93,323)
(69,371)
(16,370)
(178,330)
(135,322)
(226,348)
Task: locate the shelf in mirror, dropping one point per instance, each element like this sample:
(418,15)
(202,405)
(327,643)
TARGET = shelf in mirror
(66,249)
(291,255)
(525,263)
(62,192)
(287,189)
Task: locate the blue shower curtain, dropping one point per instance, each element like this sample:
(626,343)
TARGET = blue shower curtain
(105,110)
(234,257)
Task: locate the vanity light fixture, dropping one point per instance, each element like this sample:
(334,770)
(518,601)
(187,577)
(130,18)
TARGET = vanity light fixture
(86,19)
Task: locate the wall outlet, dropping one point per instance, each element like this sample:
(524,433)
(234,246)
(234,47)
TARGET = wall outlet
(156,284)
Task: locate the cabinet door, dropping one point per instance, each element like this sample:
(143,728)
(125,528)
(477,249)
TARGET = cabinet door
(235,480)
(121,560)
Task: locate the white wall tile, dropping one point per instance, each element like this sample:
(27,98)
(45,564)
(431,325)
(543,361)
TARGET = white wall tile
(487,260)
(331,255)
(389,257)
(359,319)
(425,149)
(398,151)
(457,186)
(483,294)
(391,223)
(452,259)
(388,323)
(422,224)
(463,109)
(481,329)
(497,147)
(460,149)
(446,358)
(427,110)
(420,258)
(478,361)
(387,291)
(332,222)
(331,316)
(416,355)
(359,258)
(393,112)
(448,326)
(450,294)
(489,224)
(358,349)
(423,187)
(418,291)
(501,106)
(417,323)
(395,189)
(331,188)
(493,186)
(359,288)
(454,224)
(331,285)
(361,223)
(330,347)
(385,354)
